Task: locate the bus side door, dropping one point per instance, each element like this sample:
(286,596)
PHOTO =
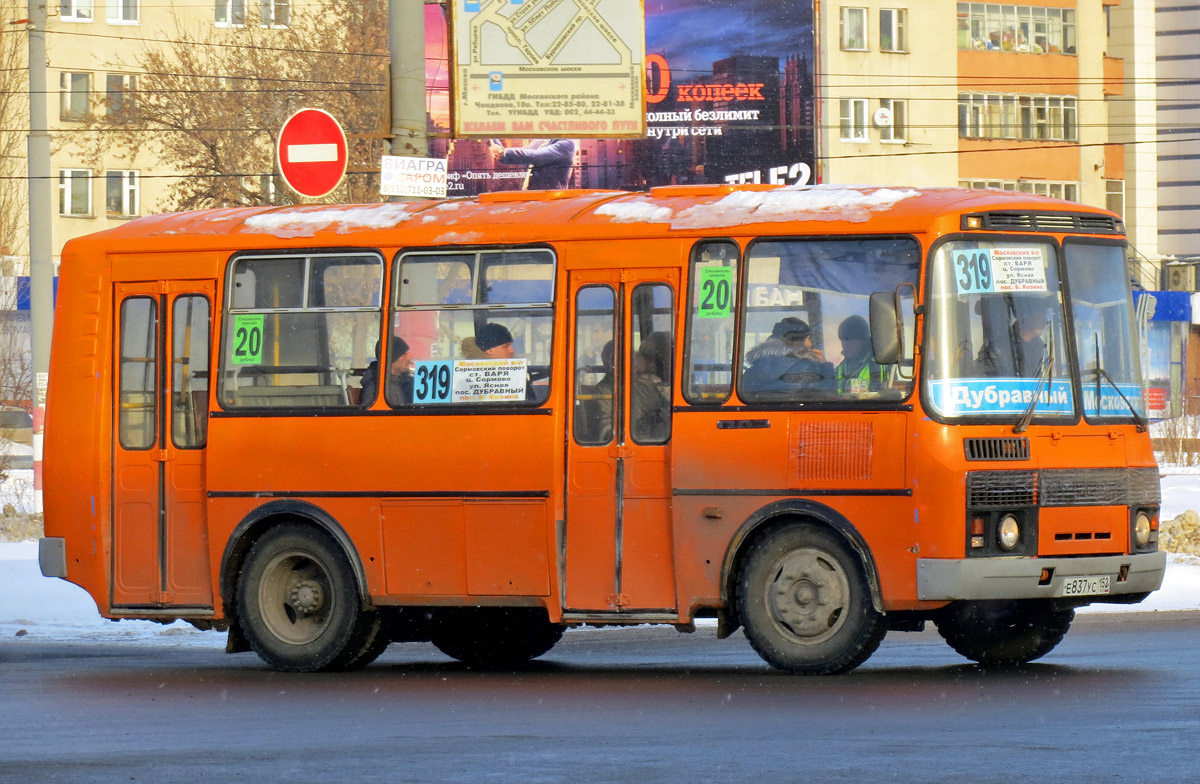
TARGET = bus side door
(619,554)
(159,538)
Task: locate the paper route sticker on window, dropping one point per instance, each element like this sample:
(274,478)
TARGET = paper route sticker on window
(998,270)
(247,344)
(716,292)
(470,380)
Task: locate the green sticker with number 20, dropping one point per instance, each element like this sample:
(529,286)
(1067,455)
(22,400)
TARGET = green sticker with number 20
(247,344)
(716,292)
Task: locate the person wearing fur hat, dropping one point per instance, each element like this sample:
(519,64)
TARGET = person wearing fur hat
(787,361)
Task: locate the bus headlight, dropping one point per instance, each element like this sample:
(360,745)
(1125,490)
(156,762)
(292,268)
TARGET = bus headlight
(1008,532)
(1141,529)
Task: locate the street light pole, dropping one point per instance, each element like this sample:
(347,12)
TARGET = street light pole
(407,44)
(41,261)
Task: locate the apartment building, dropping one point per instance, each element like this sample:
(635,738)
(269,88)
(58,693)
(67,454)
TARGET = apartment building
(95,53)
(1177,63)
(974,94)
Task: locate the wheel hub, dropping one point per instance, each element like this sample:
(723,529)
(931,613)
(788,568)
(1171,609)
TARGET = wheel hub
(306,597)
(809,596)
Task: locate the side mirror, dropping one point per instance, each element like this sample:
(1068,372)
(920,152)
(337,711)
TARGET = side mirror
(886,334)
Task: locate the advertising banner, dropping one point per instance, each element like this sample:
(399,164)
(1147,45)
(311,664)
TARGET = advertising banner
(730,98)
(548,67)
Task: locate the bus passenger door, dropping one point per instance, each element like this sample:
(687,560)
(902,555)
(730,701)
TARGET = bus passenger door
(159,538)
(619,555)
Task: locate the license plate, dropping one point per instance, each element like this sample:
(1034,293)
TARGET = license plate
(1086,585)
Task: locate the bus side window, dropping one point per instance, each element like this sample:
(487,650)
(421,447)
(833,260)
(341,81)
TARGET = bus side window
(713,296)
(595,366)
(189,374)
(300,329)
(652,373)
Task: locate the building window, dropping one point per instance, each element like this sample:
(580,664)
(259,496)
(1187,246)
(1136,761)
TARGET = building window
(121,193)
(854,29)
(893,29)
(274,13)
(1040,117)
(75,192)
(75,10)
(123,11)
(895,130)
(1114,196)
(76,88)
(230,13)
(119,95)
(854,119)
(1016,28)
(1059,190)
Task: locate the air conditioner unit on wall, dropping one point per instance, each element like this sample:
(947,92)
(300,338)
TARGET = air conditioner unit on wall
(1181,277)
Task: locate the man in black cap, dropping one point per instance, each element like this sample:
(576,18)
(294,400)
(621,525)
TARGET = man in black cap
(400,379)
(495,341)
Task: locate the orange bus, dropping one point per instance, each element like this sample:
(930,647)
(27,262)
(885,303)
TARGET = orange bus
(815,414)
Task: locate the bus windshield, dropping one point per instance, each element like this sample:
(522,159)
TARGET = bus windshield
(1104,334)
(996,340)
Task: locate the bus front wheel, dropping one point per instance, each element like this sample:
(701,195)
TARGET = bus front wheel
(804,601)
(487,637)
(1003,633)
(299,606)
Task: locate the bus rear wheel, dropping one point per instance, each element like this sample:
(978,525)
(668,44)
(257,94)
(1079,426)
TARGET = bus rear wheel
(1003,633)
(803,599)
(487,637)
(299,606)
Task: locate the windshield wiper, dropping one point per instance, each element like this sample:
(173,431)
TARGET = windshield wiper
(1043,379)
(1138,421)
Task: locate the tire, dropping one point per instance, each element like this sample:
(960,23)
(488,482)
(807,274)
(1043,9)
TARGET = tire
(492,638)
(803,599)
(298,604)
(1003,633)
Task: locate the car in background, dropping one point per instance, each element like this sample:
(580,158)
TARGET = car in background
(16,425)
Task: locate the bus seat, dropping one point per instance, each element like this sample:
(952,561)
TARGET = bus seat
(315,396)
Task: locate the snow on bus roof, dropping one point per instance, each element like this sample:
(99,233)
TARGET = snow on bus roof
(307,221)
(818,202)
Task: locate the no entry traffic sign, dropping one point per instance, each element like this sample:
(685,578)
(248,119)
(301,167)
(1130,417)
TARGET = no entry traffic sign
(312,152)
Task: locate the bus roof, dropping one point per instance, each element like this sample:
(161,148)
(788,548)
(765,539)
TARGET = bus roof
(508,217)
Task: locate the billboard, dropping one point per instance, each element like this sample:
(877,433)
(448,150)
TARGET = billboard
(548,67)
(730,99)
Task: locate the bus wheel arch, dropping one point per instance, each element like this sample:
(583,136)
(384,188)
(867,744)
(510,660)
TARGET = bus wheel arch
(782,514)
(805,598)
(261,522)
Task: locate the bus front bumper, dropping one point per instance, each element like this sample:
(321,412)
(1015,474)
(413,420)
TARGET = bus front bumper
(1023,578)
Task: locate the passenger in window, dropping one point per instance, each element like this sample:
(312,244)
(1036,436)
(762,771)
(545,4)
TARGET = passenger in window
(787,361)
(496,342)
(649,392)
(1022,356)
(399,380)
(858,371)
(603,391)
